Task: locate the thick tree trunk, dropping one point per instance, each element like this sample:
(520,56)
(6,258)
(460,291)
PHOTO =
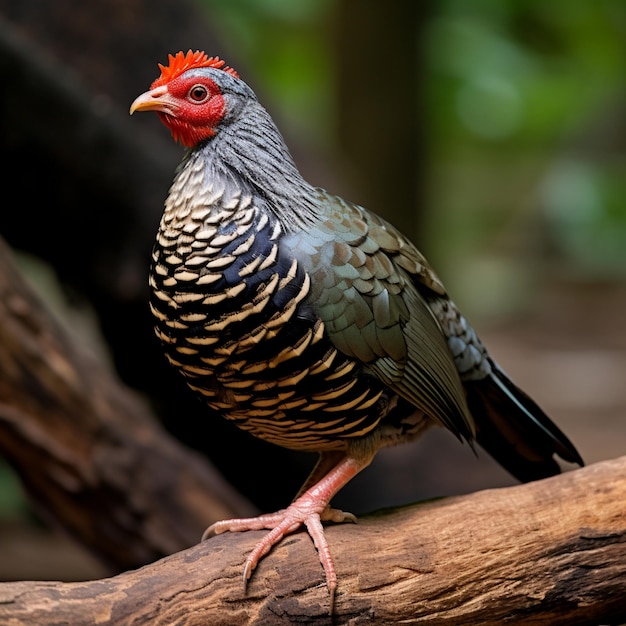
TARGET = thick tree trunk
(380,65)
(87,449)
(551,552)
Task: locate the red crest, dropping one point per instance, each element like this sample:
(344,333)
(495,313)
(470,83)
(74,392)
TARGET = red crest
(181,62)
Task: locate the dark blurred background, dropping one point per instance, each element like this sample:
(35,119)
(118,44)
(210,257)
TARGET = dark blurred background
(491,132)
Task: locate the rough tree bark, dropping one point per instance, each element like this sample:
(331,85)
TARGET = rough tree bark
(88,450)
(551,552)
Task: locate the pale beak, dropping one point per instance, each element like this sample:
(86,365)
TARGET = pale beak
(157,99)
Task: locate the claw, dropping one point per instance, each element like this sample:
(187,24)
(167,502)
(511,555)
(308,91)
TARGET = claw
(209,532)
(309,509)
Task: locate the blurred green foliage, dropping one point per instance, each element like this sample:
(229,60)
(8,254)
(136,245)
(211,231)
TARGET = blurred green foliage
(526,124)
(287,45)
(523,73)
(527,103)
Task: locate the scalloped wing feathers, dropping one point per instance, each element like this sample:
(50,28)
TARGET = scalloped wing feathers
(369,288)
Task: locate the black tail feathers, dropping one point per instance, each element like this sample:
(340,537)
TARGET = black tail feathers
(514,430)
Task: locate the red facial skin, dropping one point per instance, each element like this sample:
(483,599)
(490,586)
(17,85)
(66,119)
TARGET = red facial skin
(190,106)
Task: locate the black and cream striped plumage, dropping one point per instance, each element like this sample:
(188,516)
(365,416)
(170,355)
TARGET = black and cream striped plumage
(231,305)
(307,320)
(238,314)
(309,336)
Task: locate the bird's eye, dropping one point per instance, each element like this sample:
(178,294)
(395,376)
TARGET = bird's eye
(198,93)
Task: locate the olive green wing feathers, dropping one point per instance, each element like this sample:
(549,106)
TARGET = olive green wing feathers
(368,287)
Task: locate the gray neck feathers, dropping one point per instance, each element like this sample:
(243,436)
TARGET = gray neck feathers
(249,152)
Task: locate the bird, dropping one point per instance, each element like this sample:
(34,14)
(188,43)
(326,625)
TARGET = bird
(309,321)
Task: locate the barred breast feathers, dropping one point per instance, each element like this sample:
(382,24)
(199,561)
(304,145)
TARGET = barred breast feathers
(231,311)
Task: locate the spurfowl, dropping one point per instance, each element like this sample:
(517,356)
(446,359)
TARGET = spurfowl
(307,320)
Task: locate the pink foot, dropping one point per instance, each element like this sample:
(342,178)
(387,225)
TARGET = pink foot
(310,509)
(304,511)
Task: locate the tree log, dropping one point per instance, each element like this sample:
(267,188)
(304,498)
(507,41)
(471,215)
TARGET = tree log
(88,450)
(550,552)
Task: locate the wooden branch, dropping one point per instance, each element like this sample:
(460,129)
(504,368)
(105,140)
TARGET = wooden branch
(550,552)
(88,450)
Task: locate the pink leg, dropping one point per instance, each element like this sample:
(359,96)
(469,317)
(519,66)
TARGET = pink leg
(310,509)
